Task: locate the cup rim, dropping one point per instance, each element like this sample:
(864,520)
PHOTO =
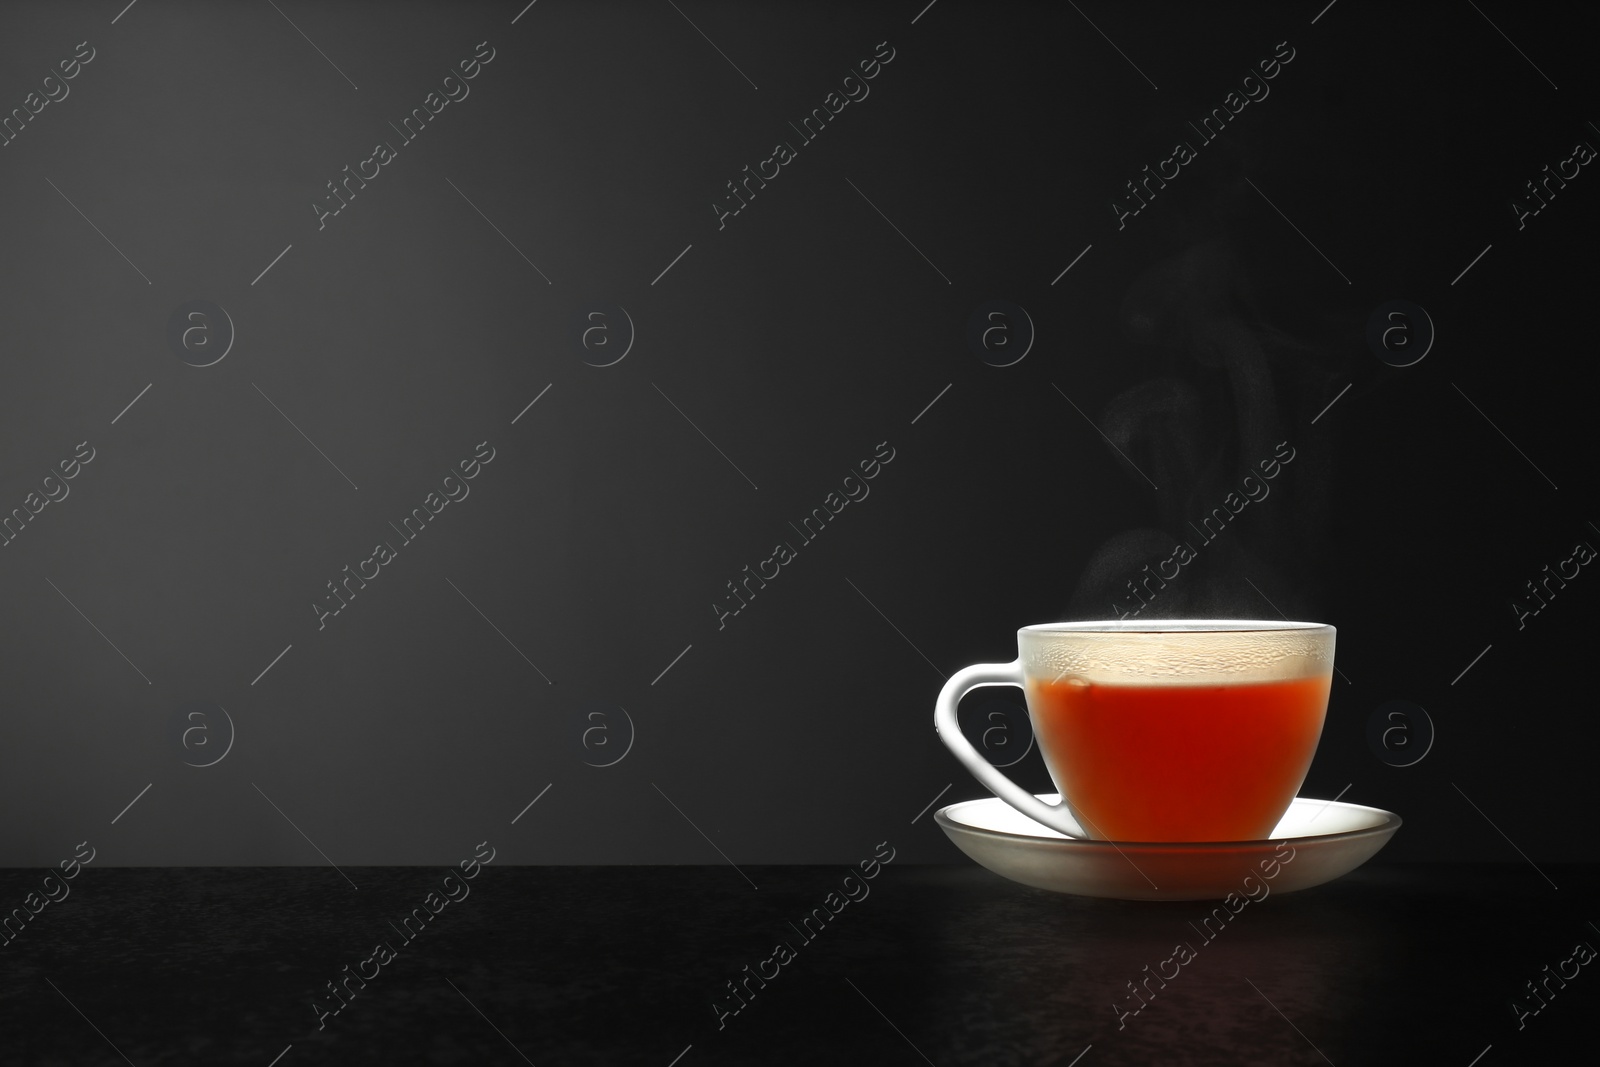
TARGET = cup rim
(1174,626)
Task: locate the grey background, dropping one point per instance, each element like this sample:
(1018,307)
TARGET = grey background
(796,338)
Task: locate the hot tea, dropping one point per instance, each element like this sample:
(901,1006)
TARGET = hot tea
(1178,762)
(1163,730)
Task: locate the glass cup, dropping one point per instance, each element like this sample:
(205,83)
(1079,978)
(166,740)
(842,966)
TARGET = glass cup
(1160,730)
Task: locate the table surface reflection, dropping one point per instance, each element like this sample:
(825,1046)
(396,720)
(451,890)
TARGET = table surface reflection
(921,964)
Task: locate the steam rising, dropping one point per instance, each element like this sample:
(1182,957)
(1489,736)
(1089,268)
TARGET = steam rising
(1223,389)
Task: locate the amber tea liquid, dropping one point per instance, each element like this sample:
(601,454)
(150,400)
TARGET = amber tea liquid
(1178,762)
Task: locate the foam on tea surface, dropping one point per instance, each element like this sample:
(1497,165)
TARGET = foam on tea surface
(1165,652)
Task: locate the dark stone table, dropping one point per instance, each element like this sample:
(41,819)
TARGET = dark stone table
(1407,964)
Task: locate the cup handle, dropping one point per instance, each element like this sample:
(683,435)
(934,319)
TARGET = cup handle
(1057,817)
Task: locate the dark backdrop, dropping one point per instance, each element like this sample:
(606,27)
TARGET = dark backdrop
(555,634)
